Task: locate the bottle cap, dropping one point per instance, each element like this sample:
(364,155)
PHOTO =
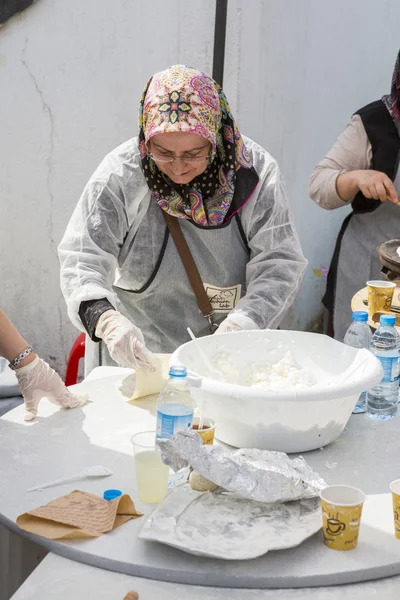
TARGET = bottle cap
(387,320)
(178,371)
(112,494)
(360,316)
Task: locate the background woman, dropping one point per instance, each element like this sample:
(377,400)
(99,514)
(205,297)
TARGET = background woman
(362,169)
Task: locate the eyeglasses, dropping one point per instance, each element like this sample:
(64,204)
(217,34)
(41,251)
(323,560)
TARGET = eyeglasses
(189,160)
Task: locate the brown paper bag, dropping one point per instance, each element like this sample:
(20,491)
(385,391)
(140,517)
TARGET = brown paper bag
(78,515)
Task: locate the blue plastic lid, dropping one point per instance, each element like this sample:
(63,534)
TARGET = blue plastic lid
(178,371)
(111,494)
(387,320)
(360,316)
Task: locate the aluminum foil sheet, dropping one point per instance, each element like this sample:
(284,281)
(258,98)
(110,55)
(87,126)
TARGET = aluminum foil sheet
(253,474)
(224,526)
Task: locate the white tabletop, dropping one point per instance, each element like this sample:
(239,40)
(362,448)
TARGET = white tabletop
(61,443)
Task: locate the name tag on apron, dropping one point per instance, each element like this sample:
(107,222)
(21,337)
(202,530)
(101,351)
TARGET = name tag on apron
(223,300)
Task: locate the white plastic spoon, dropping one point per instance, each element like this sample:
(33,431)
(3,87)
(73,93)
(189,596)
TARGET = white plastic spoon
(97,471)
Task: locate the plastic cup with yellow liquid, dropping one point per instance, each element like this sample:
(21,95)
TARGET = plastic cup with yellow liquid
(341,516)
(380,296)
(151,472)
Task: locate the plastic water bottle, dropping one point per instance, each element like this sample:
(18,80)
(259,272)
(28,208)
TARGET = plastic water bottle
(175,405)
(385,344)
(359,335)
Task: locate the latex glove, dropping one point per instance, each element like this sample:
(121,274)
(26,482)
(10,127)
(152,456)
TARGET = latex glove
(236,321)
(38,380)
(125,341)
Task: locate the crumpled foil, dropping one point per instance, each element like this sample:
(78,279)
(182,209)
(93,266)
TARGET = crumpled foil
(259,475)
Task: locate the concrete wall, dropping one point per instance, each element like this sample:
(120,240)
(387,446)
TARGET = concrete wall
(71,74)
(296,70)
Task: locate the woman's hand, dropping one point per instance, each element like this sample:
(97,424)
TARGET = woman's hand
(236,321)
(38,380)
(373,184)
(125,341)
(376,185)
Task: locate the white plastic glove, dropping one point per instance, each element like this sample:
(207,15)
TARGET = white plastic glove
(38,380)
(125,341)
(236,321)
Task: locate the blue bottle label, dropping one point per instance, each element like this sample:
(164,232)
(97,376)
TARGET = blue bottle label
(391,368)
(168,425)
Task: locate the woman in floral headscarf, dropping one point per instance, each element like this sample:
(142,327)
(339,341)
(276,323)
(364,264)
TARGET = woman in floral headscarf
(226,192)
(362,169)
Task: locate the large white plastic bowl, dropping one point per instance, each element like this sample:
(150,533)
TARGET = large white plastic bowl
(288,421)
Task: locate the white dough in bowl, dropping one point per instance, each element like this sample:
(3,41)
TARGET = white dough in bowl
(282,375)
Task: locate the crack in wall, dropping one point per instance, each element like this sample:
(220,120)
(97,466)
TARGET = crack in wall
(49,161)
(46,108)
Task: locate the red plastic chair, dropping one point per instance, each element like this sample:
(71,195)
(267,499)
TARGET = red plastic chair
(77,352)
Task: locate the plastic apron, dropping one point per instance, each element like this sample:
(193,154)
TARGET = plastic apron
(159,300)
(358,258)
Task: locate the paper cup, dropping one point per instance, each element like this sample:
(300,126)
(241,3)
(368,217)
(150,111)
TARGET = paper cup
(395,489)
(208,431)
(380,296)
(341,515)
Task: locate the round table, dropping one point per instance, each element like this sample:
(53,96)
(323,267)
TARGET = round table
(60,443)
(61,578)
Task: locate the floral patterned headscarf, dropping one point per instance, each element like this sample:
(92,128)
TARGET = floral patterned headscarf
(183,99)
(392,101)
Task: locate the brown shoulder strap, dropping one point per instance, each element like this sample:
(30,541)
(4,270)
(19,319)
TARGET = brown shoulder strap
(190,268)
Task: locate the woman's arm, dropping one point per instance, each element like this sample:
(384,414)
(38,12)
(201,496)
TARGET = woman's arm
(90,247)
(88,255)
(12,343)
(35,377)
(334,181)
